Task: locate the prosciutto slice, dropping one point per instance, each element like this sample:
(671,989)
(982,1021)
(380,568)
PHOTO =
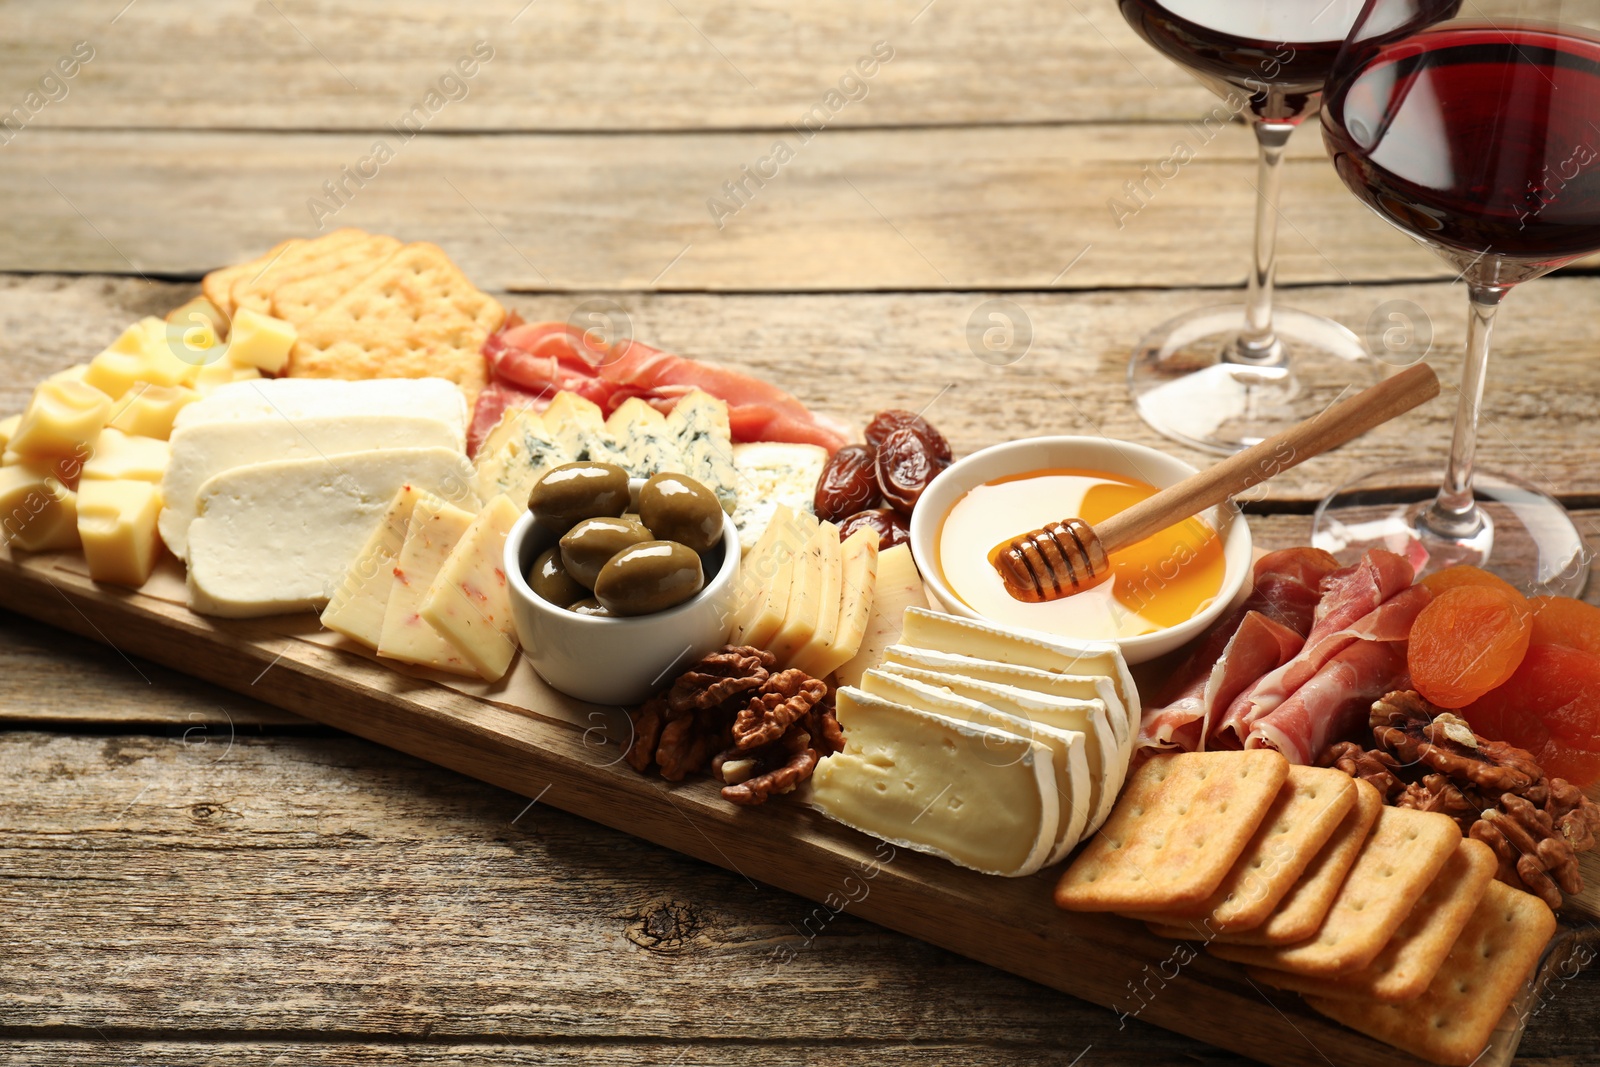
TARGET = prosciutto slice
(1351,609)
(1260,634)
(1335,702)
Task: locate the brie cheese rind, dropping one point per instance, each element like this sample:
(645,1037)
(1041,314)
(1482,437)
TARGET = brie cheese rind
(1067,747)
(1027,648)
(277,537)
(912,778)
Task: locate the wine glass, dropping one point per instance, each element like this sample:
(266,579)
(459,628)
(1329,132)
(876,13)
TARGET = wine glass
(1224,378)
(1480,138)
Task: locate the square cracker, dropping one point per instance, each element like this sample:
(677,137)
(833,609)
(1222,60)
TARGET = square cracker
(1452,1021)
(254,291)
(1308,810)
(1400,860)
(1179,826)
(1418,948)
(218,285)
(300,299)
(415,316)
(1302,910)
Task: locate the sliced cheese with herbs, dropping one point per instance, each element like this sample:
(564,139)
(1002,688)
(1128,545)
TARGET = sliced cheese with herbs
(858,574)
(357,605)
(525,450)
(766,576)
(646,441)
(813,596)
(435,528)
(985,640)
(278,536)
(469,602)
(909,778)
(1067,747)
(1107,756)
(898,587)
(700,423)
(773,475)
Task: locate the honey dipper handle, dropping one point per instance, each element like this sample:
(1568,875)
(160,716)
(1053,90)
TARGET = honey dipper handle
(1349,418)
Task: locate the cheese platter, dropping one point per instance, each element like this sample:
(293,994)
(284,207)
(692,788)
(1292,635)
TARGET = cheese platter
(666,596)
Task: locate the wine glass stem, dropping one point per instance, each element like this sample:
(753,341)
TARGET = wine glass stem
(1257,344)
(1454,513)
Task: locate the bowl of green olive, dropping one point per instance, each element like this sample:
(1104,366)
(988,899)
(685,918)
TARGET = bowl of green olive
(616,583)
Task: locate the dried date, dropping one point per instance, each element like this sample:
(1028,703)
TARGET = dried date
(892,529)
(905,467)
(885,423)
(848,483)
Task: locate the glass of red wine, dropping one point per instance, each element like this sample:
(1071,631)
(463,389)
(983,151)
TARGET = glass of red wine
(1479,137)
(1224,378)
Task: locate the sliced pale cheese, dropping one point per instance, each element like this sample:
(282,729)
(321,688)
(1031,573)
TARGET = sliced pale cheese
(204,450)
(858,577)
(117,455)
(700,423)
(1074,783)
(1107,755)
(516,455)
(469,602)
(813,595)
(771,474)
(117,525)
(356,607)
(37,510)
(897,588)
(278,536)
(435,529)
(642,435)
(909,778)
(300,398)
(1071,686)
(766,577)
(1026,648)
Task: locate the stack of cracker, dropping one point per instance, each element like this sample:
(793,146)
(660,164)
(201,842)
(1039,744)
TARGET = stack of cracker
(366,306)
(1384,919)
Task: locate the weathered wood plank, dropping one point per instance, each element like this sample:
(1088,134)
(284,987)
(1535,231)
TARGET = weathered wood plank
(998,207)
(853,354)
(571,64)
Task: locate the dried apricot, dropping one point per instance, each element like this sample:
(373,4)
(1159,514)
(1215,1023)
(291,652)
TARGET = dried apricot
(1551,707)
(1560,620)
(1466,574)
(1467,641)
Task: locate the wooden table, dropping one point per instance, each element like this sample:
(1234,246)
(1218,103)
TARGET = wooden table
(191,876)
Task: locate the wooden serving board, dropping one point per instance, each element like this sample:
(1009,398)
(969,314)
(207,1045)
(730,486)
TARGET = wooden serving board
(560,752)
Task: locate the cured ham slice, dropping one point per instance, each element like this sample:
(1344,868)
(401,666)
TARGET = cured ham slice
(1349,611)
(1238,649)
(1335,702)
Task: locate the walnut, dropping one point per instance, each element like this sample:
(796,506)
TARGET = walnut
(1374,766)
(1576,817)
(646,734)
(783,699)
(1408,726)
(1436,792)
(799,760)
(719,677)
(1524,838)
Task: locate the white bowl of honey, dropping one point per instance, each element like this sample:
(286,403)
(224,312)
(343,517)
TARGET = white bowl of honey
(1157,594)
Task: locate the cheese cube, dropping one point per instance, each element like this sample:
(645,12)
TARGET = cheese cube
(37,511)
(898,586)
(436,526)
(223,372)
(813,611)
(117,524)
(357,605)
(151,411)
(980,797)
(259,341)
(192,335)
(469,602)
(61,419)
(75,373)
(858,577)
(192,311)
(117,455)
(8,430)
(144,353)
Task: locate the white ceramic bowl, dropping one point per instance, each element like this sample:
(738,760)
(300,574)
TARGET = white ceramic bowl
(1089,453)
(621,660)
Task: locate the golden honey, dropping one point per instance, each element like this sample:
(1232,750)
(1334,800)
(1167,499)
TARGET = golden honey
(1159,582)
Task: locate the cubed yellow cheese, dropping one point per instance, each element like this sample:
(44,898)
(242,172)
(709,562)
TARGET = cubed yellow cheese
(469,602)
(8,430)
(190,313)
(61,420)
(37,511)
(150,411)
(898,587)
(117,455)
(767,575)
(117,524)
(259,341)
(75,373)
(222,372)
(813,593)
(435,527)
(358,602)
(145,352)
(858,577)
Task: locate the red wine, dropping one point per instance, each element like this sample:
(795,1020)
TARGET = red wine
(1481,139)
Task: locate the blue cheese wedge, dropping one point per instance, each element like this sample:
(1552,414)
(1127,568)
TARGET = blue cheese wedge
(516,455)
(770,476)
(1067,747)
(700,423)
(648,445)
(577,425)
(912,779)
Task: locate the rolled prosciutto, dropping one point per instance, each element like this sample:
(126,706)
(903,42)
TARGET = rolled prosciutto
(1334,703)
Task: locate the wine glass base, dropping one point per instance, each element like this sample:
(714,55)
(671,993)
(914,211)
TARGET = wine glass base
(1184,389)
(1526,536)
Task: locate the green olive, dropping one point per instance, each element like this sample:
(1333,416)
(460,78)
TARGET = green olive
(573,492)
(587,546)
(680,509)
(549,579)
(590,606)
(649,577)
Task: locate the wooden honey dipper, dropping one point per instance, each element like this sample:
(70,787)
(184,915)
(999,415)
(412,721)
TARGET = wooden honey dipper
(1059,559)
